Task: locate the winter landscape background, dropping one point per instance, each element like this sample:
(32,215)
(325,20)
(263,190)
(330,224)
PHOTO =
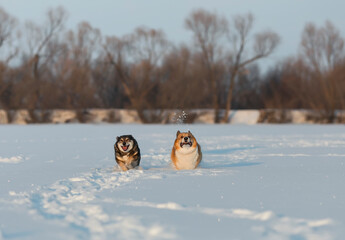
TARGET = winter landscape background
(232,68)
(255,182)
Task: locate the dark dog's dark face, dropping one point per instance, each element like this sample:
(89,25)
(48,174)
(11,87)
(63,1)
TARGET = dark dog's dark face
(125,143)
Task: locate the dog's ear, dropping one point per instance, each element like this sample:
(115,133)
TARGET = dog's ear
(132,138)
(117,138)
(178,132)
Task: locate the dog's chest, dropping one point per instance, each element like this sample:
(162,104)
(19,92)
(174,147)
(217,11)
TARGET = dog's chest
(187,161)
(125,158)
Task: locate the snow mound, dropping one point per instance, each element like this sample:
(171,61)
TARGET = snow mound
(244,117)
(13,160)
(3,120)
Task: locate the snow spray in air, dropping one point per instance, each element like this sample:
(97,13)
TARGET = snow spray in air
(179,118)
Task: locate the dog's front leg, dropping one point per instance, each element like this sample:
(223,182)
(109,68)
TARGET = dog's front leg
(122,166)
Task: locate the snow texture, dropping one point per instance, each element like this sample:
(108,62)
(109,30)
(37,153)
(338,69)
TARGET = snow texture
(254,182)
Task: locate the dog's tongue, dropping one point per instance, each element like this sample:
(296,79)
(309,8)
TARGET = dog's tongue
(124,148)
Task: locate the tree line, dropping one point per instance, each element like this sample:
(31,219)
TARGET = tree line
(46,66)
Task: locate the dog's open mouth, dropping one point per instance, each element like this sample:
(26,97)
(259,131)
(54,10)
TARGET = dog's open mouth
(185,143)
(124,147)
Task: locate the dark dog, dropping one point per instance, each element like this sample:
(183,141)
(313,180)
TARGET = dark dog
(127,152)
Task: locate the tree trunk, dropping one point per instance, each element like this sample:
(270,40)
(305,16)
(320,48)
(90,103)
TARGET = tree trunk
(37,84)
(134,102)
(229,98)
(215,102)
(215,106)
(123,80)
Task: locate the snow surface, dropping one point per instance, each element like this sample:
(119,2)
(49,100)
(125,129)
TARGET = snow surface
(255,182)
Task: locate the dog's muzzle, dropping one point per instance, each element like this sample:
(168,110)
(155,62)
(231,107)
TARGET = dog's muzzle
(185,143)
(124,147)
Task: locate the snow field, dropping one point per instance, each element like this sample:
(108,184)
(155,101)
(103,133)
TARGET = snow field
(255,182)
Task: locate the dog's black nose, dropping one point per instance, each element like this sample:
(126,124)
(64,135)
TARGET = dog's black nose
(185,139)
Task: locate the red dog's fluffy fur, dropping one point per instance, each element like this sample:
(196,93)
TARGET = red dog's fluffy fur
(186,152)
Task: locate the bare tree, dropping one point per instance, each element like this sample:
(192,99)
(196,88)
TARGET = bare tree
(40,40)
(322,47)
(182,73)
(136,58)
(246,95)
(7,31)
(74,67)
(290,85)
(209,31)
(323,53)
(315,78)
(264,44)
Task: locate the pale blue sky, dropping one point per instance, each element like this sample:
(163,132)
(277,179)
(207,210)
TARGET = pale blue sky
(118,17)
